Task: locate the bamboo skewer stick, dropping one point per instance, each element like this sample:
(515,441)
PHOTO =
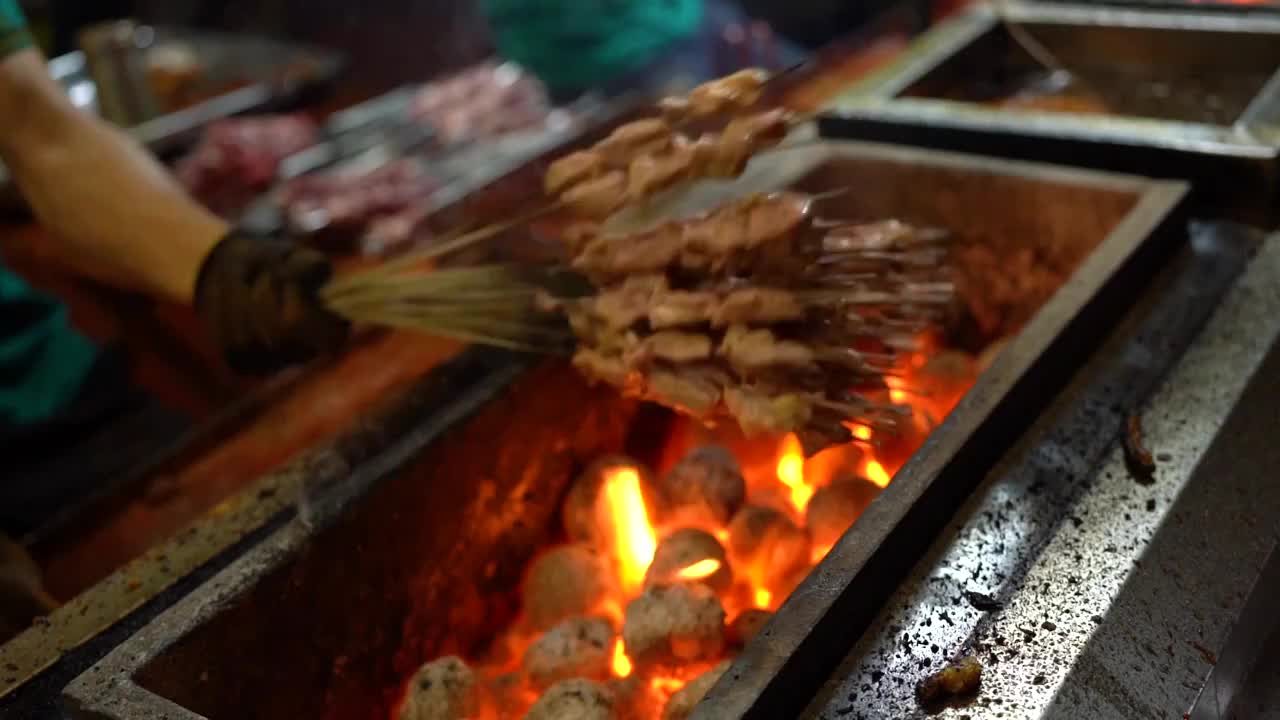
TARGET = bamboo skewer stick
(436,251)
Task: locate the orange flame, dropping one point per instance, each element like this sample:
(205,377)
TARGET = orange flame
(819,553)
(763,598)
(621,663)
(633,535)
(877,474)
(666,685)
(700,569)
(897,393)
(862,432)
(791,472)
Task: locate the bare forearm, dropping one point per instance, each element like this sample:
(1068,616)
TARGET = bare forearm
(100,194)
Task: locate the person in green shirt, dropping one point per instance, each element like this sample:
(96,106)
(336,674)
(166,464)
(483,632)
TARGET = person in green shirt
(615,46)
(121,215)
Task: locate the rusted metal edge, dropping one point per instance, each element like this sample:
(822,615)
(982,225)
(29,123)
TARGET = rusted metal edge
(85,696)
(269,499)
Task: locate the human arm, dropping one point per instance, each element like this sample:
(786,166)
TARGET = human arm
(98,192)
(113,208)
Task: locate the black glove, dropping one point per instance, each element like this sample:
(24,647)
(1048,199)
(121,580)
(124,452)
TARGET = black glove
(261,298)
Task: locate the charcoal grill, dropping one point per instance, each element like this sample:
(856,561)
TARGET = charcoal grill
(115,585)
(931,96)
(418,551)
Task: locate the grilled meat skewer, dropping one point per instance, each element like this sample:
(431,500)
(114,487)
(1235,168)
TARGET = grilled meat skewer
(653,157)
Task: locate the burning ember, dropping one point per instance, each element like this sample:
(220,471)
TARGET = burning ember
(666,575)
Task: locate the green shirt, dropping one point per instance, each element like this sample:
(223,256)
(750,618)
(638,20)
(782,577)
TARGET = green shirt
(43,360)
(576,45)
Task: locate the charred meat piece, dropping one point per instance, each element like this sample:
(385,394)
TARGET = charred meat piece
(962,678)
(1137,457)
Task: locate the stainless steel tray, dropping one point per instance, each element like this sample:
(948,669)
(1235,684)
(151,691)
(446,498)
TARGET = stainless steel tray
(919,99)
(255,61)
(1237,7)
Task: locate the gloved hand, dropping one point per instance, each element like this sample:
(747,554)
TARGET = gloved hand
(261,297)
(22,594)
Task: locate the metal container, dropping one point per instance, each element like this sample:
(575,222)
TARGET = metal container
(1235,7)
(942,92)
(427,542)
(258,74)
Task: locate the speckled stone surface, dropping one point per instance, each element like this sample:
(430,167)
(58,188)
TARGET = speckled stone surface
(1086,592)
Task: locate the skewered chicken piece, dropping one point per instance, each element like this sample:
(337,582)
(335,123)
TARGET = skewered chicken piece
(703,315)
(710,242)
(736,92)
(573,169)
(749,351)
(598,197)
(651,297)
(673,346)
(762,305)
(653,158)
(639,137)
(772,235)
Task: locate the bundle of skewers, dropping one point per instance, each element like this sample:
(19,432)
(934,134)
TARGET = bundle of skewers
(759,311)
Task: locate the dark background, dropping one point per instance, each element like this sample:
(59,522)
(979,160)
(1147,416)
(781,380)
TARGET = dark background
(391,41)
